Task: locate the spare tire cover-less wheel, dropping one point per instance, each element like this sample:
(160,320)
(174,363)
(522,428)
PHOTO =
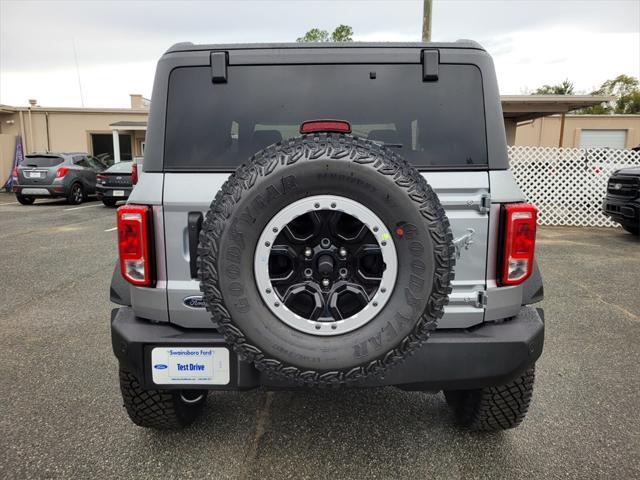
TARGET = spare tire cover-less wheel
(326,259)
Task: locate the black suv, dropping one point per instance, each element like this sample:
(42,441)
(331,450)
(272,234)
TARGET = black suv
(622,202)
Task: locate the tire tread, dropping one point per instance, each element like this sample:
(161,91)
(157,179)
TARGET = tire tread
(307,148)
(494,408)
(158,409)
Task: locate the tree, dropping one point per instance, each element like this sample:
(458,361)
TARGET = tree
(315,35)
(342,33)
(625,89)
(564,88)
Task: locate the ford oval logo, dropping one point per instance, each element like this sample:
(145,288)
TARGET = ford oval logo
(160,366)
(194,301)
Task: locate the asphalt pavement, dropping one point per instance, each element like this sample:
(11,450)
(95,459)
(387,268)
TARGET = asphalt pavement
(62,416)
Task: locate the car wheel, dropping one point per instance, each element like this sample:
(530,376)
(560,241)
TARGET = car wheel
(492,409)
(25,200)
(160,409)
(633,229)
(326,259)
(108,202)
(76,194)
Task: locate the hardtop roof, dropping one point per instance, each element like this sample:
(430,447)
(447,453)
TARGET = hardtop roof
(191,47)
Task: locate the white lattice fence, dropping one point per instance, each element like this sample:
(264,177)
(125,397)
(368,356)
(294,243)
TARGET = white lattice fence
(568,184)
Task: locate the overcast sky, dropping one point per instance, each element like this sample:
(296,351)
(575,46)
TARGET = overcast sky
(118,42)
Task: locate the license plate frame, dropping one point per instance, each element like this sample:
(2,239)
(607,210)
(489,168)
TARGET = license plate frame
(195,365)
(118,193)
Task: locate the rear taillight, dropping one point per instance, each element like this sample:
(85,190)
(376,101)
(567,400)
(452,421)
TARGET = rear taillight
(61,172)
(14,173)
(134,174)
(339,126)
(133,244)
(519,240)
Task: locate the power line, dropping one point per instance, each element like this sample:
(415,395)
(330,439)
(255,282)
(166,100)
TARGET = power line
(75,56)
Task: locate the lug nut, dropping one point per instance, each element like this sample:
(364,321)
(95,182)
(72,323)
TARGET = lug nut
(308,252)
(308,272)
(343,272)
(342,252)
(325,282)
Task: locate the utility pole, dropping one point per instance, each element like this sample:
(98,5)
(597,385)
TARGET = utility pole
(426,21)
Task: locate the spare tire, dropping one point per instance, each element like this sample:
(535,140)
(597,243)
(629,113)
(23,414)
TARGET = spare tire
(325,259)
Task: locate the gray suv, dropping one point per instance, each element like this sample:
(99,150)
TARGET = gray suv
(316,215)
(53,175)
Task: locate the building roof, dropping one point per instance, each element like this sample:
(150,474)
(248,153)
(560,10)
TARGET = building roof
(527,107)
(515,107)
(127,125)
(13,109)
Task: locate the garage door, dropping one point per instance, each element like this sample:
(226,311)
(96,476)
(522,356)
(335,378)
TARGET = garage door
(603,139)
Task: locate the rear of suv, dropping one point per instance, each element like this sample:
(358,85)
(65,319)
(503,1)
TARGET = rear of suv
(56,175)
(326,216)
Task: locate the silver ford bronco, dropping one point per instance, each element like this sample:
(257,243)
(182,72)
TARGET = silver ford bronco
(314,215)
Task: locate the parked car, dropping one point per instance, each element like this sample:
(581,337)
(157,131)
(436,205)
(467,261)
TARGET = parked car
(115,183)
(622,202)
(52,175)
(266,246)
(105,159)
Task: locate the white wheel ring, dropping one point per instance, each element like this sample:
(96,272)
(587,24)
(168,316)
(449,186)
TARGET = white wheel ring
(332,203)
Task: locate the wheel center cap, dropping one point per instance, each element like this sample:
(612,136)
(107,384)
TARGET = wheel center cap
(325,264)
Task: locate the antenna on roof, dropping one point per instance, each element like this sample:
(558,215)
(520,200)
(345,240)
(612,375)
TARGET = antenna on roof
(75,57)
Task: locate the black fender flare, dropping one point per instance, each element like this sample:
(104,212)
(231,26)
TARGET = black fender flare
(119,292)
(533,289)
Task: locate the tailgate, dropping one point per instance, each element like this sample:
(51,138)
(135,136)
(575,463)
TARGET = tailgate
(36,176)
(465,198)
(463,195)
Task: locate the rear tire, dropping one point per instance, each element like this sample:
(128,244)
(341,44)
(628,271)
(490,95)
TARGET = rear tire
(25,200)
(632,229)
(109,202)
(492,409)
(160,409)
(76,194)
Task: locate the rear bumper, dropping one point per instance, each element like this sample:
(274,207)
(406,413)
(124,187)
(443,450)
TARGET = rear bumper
(107,192)
(622,210)
(59,190)
(491,354)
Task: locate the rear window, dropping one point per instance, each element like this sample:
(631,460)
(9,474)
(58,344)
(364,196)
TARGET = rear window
(120,167)
(42,161)
(219,126)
